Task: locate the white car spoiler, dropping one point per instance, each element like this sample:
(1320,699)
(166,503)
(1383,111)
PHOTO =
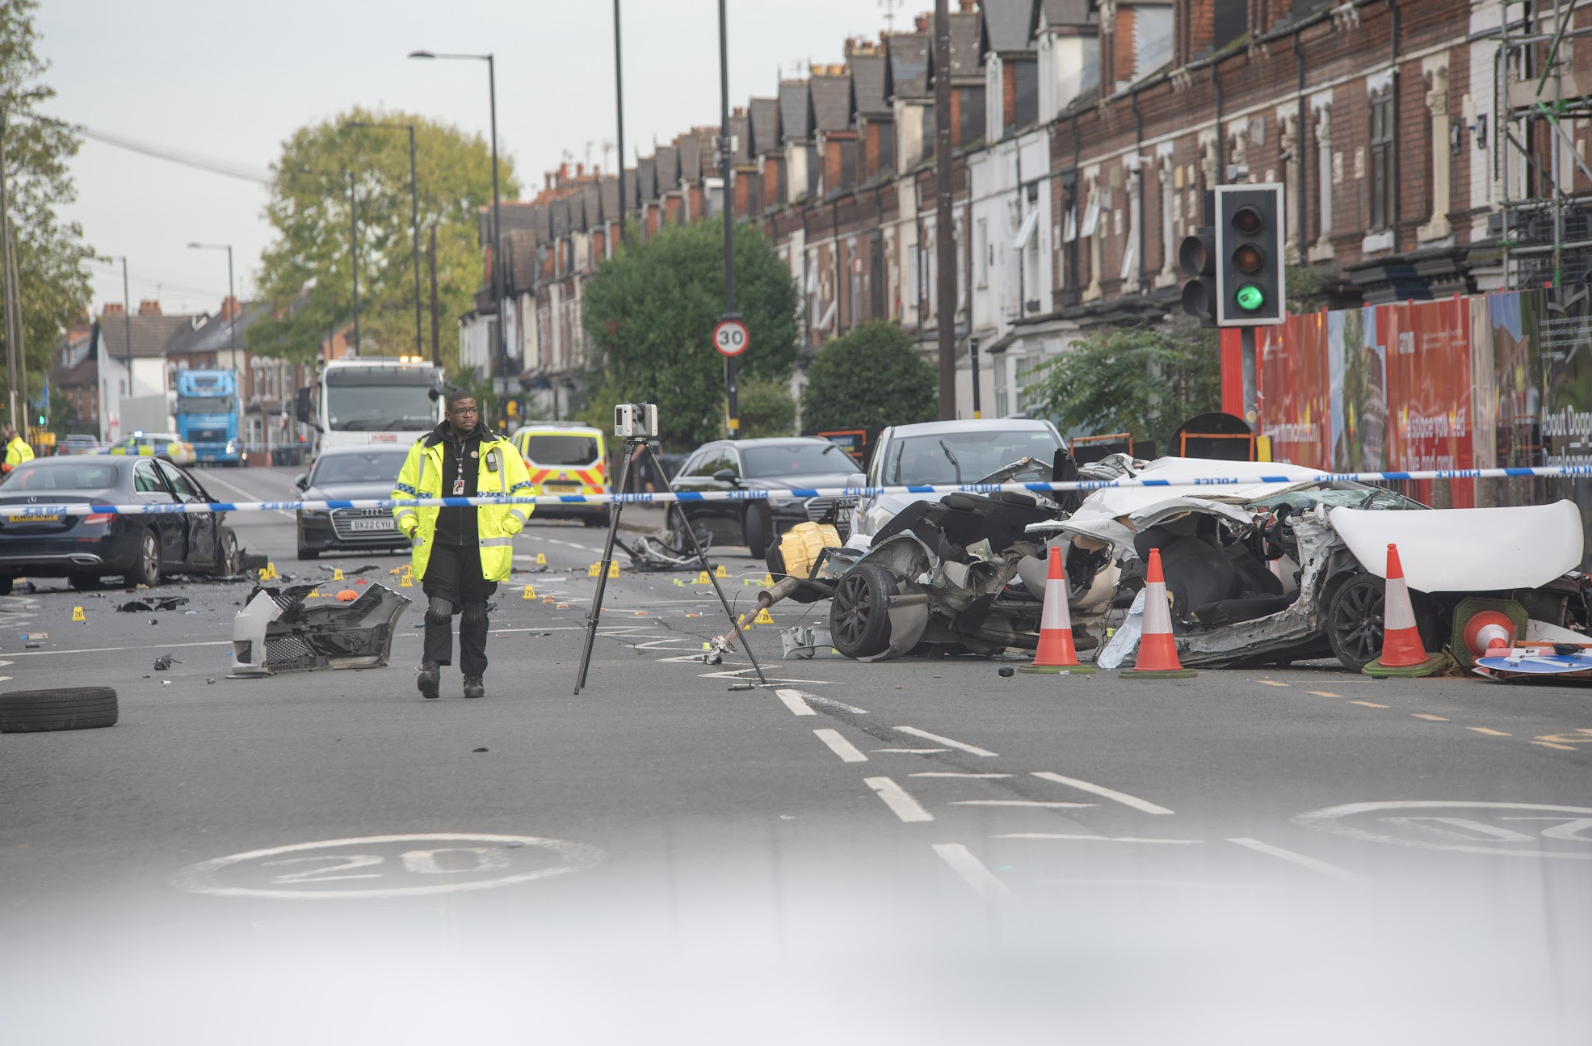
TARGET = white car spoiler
(1467,549)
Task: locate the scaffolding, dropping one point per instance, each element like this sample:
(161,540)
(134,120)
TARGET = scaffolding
(1544,225)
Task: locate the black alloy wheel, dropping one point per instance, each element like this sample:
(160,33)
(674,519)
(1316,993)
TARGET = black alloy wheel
(759,524)
(859,618)
(146,569)
(229,561)
(1354,620)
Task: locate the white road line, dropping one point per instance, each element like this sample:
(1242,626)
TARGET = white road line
(972,871)
(1063,837)
(1107,793)
(211,477)
(853,709)
(1331,871)
(840,746)
(947,773)
(793,701)
(897,799)
(908,751)
(1020,802)
(962,745)
(115,649)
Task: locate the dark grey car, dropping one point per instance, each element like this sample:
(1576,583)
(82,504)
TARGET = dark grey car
(776,465)
(350,474)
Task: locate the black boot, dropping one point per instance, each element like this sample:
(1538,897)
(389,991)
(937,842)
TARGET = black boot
(429,679)
(474,686)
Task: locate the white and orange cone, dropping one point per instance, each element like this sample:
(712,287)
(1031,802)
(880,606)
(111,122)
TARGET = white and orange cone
(1403,653)
(1157,657)
(1056,652)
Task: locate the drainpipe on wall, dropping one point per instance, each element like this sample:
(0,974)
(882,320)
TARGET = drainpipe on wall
(1138,152)
(1300,167)
(1221,132)
(1393,153)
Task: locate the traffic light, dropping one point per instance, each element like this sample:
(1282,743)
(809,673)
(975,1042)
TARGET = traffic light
(1249,255)
(1196,256)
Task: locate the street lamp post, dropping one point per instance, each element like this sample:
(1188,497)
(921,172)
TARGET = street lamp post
(733,425)
(414,208)
(232,295)
(497,228)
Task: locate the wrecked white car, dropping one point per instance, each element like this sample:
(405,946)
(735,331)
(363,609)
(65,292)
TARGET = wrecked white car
(1283,571)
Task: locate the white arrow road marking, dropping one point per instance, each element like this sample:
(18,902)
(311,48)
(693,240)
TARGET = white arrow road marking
(972,871)
(1106,793)
(962,745)
(897,799)
(1331,871)
(840,746)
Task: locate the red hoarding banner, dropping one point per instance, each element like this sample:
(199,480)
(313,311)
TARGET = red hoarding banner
(1294,390)
(1429,397)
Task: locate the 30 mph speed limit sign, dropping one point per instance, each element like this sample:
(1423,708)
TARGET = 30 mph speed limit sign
(730,336)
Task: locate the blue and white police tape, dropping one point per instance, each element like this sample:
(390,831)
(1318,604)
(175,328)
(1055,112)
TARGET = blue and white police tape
(12,511)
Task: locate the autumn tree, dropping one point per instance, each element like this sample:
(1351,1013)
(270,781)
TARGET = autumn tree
(307,273)
(869,376)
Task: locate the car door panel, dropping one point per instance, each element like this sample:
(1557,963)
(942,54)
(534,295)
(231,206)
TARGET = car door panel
(152,489)
(199,528)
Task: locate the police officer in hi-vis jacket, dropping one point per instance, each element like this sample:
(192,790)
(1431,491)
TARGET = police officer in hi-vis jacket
(460,554)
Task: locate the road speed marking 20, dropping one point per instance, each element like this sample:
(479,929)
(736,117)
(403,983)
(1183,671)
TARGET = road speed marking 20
(1500,829)
(386,866)
(730,336)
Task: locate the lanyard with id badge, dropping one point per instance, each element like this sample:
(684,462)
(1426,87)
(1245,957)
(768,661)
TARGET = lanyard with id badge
(458,482)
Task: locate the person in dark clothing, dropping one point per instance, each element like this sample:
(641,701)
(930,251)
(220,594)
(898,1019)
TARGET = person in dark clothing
(460,552)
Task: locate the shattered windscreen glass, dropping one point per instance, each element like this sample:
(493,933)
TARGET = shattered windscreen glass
(1342,496)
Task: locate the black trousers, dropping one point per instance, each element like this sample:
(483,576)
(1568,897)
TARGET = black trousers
(454,573)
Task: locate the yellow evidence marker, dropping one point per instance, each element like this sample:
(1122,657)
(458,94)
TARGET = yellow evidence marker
(541,559)
(268,572)
(408,580)
(721,572)
(594,570)
(768,580)
(763,618)
(703,579)
(78,616)
(337,573)
(613,570)
(529,593)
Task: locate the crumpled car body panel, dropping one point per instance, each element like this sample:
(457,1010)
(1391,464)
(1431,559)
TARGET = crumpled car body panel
(276,631)
(1468,549)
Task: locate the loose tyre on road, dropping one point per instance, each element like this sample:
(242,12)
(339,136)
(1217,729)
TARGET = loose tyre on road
(66,708)
(859,616)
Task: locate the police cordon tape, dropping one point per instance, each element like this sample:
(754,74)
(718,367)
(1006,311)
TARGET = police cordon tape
(13,511)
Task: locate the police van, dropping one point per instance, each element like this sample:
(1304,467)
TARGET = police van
(566,458)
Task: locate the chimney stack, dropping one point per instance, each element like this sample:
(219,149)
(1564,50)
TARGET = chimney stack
(112,308)
(148,307)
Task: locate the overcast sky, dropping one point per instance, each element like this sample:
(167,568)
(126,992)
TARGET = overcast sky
(232,80)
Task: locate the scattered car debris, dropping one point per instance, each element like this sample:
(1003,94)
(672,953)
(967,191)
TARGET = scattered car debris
(659,551)
(141,606)
(1006,671)
(277,632)
(164,662)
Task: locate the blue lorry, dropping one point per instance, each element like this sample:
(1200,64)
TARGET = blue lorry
(207,415)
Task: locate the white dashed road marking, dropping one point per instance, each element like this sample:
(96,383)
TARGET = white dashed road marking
(1106,793)
(972,871)
(1076,838)
(897,799)
(793,701)
(840,746)
(1020,802)
(961,745)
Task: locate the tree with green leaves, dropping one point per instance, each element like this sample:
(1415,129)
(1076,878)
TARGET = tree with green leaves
(767,407)
(649,313)
(869,377)
(1145,380)
(307,273)
(51,258)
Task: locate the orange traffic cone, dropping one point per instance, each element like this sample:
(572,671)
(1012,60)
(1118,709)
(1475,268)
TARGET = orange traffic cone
(1403,654)
(1157,657)
(1056,652)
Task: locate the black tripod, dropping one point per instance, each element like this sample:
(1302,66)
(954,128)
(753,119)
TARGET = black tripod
(634,447)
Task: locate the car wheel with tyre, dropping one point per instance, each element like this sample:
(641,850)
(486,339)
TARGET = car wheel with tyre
(66,708)
(859,618)
(229,561)
(146,569)
(756,529)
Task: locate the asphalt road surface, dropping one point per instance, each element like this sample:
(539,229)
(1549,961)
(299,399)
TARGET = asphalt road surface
(914,852)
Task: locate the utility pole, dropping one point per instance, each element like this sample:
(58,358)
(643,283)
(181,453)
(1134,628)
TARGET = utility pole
(619,107)
(14,346)
(944,238)
(353,234)
(733,424)
(13,324)
(436,340)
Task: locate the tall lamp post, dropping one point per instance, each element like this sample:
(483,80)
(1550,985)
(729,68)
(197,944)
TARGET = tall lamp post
(414,207)
(232,295)
(497,227)
(733,424)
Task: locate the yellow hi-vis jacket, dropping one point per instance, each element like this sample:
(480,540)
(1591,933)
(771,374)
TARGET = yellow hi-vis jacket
(500,470)
(17,451)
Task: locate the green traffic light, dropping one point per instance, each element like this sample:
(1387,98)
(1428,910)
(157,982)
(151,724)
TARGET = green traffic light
(1250,297)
